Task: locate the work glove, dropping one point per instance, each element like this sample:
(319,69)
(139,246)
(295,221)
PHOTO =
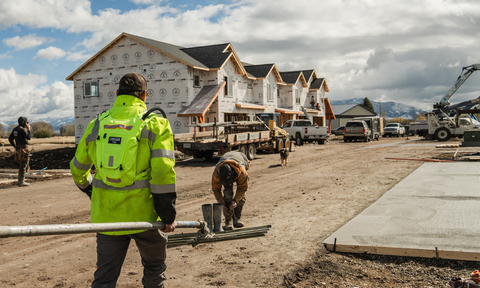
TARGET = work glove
(87,190)
(227,209)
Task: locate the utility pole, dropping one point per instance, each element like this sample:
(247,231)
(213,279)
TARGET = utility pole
(380,108)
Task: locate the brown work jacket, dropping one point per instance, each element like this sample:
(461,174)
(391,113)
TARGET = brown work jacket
(241,179)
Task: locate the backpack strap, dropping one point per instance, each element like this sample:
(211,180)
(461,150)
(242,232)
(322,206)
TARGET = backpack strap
(145,132)
(94,134)
(153,109)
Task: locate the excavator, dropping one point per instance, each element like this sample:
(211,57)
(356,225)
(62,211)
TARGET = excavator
(446,120)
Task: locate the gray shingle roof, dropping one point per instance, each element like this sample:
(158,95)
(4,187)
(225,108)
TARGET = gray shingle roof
(258,71)
(307,74)
(290,77)
(340,109)
(211,56)
(316,83)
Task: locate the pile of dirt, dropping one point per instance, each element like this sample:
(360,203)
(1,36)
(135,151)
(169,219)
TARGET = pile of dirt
(327,269)
(52,159)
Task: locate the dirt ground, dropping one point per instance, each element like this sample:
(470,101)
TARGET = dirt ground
(322,188)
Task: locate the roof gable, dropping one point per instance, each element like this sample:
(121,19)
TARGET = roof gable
(352,109)
(309,74)
(262,71)
(213,56)
(317,83)
(292,77)
(173,51)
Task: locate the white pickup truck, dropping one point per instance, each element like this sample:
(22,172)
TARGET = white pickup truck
(304,131)
(393,129)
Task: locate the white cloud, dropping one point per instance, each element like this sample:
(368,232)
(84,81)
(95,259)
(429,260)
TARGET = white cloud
(50,53)
(402,50)
(79,56)
(5,56)
(146,2)
(25,42)
(28,95)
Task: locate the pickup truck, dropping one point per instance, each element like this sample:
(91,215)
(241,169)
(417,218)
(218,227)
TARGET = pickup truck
(304,131)
(394,129)
(357,130)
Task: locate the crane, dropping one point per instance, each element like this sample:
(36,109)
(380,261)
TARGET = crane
(466,72)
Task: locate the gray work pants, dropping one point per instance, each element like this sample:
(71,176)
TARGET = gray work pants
(23,159)
(111,251)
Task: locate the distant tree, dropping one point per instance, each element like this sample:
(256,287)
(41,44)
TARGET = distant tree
(421,117)
(67,130)
(2,131)
(11,127)
(368,104)
(42,133)
(402,121)
(42,125)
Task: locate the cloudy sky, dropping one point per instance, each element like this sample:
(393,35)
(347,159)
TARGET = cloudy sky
(408,51)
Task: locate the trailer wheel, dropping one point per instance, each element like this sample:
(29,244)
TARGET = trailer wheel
(278,145)
(208,155)
(287,144)
(251,151)
(298,140)
(442,134)
(243,149)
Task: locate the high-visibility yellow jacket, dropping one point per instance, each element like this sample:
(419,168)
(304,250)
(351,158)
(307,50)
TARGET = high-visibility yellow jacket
(153,193)
(240,164)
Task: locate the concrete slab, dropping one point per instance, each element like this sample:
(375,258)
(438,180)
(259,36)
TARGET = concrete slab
(433,212)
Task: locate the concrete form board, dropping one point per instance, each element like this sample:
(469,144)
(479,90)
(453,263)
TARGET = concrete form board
(435,207)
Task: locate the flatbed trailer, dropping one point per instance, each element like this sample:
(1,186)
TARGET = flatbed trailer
(245,136)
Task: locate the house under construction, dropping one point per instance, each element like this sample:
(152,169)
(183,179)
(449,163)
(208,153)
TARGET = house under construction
(196,85)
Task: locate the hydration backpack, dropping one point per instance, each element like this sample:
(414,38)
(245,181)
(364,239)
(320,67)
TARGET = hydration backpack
(117,147)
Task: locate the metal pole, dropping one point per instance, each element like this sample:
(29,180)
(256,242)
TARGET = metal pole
(55,229)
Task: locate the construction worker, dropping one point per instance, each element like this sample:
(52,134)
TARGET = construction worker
(149,197)
(231,168)
(19,140)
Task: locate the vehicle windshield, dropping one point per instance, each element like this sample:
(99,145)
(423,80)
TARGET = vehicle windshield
(303,123)
(354,124)
(475,123)
(392,125)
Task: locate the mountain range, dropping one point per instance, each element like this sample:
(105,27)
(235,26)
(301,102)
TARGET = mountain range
(55,122)
(392,109)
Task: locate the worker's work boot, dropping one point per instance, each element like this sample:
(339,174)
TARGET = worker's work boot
(237,223)
(21,181)
(228,223)
(238,214)
(217,217)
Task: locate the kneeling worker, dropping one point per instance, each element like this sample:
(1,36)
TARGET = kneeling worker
(232,167)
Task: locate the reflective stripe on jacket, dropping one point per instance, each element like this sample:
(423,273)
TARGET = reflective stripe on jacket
(153,193)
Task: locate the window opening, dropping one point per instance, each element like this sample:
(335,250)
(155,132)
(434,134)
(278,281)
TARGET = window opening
(196,81)
(90,89)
